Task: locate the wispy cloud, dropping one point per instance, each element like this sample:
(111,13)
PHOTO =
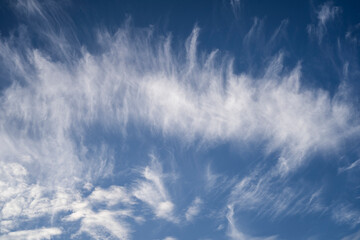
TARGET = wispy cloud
(194,209)
(57,97)
(101,223)
(354,236)
(104,212)
(22,199)
(327,13)
(345,213)
(269,194)
(234,233)
(111,196)
(169,238)
(351,166)
(152,191)
(36,234)
(353,34)
(236,7)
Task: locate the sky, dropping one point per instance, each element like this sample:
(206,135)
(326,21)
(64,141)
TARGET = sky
(171,120)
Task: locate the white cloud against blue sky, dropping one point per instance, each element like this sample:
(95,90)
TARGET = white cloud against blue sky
(178,120)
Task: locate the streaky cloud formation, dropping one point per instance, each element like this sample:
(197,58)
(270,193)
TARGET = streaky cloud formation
(68,108)
(270,195)
(327,13)
(194,209)
(152,191)
(354,236)
(235,234)
(352,166)
(43,233)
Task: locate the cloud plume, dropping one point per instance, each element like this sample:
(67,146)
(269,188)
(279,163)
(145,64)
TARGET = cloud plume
(58,96)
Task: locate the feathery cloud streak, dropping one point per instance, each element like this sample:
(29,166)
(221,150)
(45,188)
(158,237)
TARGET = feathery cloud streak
(139,79)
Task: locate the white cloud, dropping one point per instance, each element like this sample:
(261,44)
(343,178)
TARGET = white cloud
(351,166)
(111,196)
(267,193)
(169,238)
(210,178)
(352,34)
(21,199)
(101,223)
(274,108)
(194,209)
(234,233)
(346,214)
(30,7)
(216,183)
(105,220)
(36,234)
(108,90)
(53,101)
(152,191)
(236,7)
(327,13)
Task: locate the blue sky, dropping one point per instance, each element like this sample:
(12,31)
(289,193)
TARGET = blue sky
(228,119)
